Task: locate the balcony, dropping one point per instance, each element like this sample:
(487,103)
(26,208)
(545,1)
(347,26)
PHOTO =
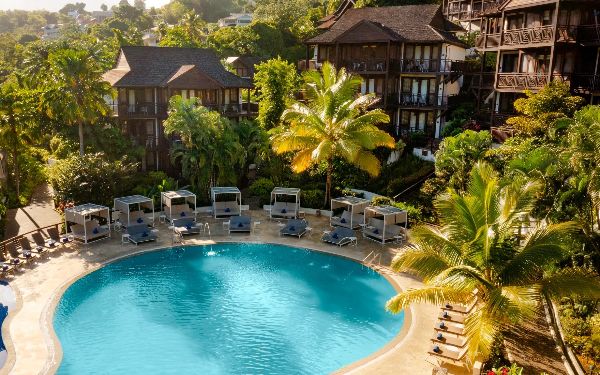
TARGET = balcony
(488,40)
(408,100)
(369,65)
(149,142)
(521,81)
(425,66)
(585,83)
(532,35)
(588,34)
(139,109)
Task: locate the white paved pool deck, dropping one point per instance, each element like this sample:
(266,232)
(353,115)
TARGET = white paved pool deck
(34,349)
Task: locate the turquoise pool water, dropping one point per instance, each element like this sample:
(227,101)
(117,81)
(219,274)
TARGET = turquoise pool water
(224,309)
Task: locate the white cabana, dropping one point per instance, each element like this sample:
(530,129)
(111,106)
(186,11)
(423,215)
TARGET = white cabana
(84,227)
(127,217)
(282,209)
(226,208)
(353,214)
(384,223)
(176,211)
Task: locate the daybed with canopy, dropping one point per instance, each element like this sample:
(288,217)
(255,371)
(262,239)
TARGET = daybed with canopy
(228,208)
(176,211)
(85,228)
(127,217)
(282,209)
(385,223)
(353,214)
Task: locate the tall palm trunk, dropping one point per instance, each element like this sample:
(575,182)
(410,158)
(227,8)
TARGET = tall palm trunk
(328,188)
(81,149)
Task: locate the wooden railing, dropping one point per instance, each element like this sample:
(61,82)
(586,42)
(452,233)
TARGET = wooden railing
(16,239)
(531,35)
(485,79)
(139,109)
(488,40)
(419,100)
(521,81)
(588,34)
(585,82)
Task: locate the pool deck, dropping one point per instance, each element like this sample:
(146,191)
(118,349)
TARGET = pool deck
(34,349)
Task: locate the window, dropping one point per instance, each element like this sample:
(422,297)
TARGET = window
(546,18)
(150,128)
(150,159)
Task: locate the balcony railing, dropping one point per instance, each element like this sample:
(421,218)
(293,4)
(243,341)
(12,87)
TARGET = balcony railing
(566,33)
(139,109)
(420,100)
(588,34)
(488,40)
(531,35)
(425,65)
(483,80)
(521,81)
(585,82)
(149,142)
(369,65)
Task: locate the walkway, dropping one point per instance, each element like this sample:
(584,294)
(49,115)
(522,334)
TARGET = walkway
(39,213)
(533,347)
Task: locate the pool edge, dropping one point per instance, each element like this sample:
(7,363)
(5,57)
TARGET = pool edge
(54,349)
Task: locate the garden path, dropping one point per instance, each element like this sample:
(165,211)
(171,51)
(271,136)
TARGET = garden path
(39,213)
(532,346)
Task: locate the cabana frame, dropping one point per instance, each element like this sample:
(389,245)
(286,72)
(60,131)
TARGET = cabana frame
(123,205)
(218,212)
(356,207)
(82,215)
(391,216)
(167,197)
(284,191)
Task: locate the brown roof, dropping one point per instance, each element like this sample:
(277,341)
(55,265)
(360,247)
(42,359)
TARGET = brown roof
(143,66)
(414,23)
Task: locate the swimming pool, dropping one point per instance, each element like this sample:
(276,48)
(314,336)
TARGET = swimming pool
(224,309)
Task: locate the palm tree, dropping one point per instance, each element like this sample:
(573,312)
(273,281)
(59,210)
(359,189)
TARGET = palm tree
(477,255)
(193,24)
(335,123)
(75,91)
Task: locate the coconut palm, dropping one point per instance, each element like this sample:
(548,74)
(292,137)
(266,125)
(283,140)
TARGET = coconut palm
(193,24)
(75,91)
(336,122)
(477,255)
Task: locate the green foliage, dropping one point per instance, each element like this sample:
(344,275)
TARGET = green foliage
(581,328)
(31,173)
(297,17)
(259,39)
(262,186)
(312,198)
(540,111)
(459,117)
(512,370)
(277,82)
(384,3)
(381,201)
(211,151)
(457,155)
(89,179)
(350,193)
(177,36)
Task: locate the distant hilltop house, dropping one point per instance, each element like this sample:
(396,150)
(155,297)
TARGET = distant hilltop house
(244,66)
(236,19)
(102,15)
(51,31)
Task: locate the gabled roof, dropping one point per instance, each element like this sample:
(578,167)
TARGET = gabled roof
(143,66)
(342,8)
(248,61)
(414,23)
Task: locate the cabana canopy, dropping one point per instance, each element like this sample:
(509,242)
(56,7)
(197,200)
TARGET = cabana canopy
(84,227)
(124,204)
(390,223)
(282,209)
(353,217)
(229,208)
(180,210)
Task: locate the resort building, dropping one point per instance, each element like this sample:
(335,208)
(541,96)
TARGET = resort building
(147,77)
(409,56)
(100,15)
(236,19)
(245,66)
(531,43)
(51,31)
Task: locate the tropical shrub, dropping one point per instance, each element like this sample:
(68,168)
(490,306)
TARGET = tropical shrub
(512,370)
(31,173)
(262,186)
(312,198)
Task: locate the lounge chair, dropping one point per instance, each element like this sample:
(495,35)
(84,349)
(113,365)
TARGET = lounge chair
(294,227)
(377,231)
(283,210)
(344,220)
(452,317)
(135,218)
(456,329)
(42,247)
(8,266)
(441,338)
(140,233)
(240,224)
(450,353)
(185,226)
(229,208)
(177,211)
(92,230)
(56,237)
(340,236)
(459,308)
(25,257)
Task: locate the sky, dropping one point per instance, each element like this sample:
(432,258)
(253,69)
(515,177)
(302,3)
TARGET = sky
(55,5)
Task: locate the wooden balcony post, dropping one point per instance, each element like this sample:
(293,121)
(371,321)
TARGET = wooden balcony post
(337,55)
(387,74)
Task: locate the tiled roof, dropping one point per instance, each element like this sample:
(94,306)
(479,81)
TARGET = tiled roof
(149,66)
(415,23)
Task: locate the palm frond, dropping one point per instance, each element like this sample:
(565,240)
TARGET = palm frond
(431,295)
(571,282)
